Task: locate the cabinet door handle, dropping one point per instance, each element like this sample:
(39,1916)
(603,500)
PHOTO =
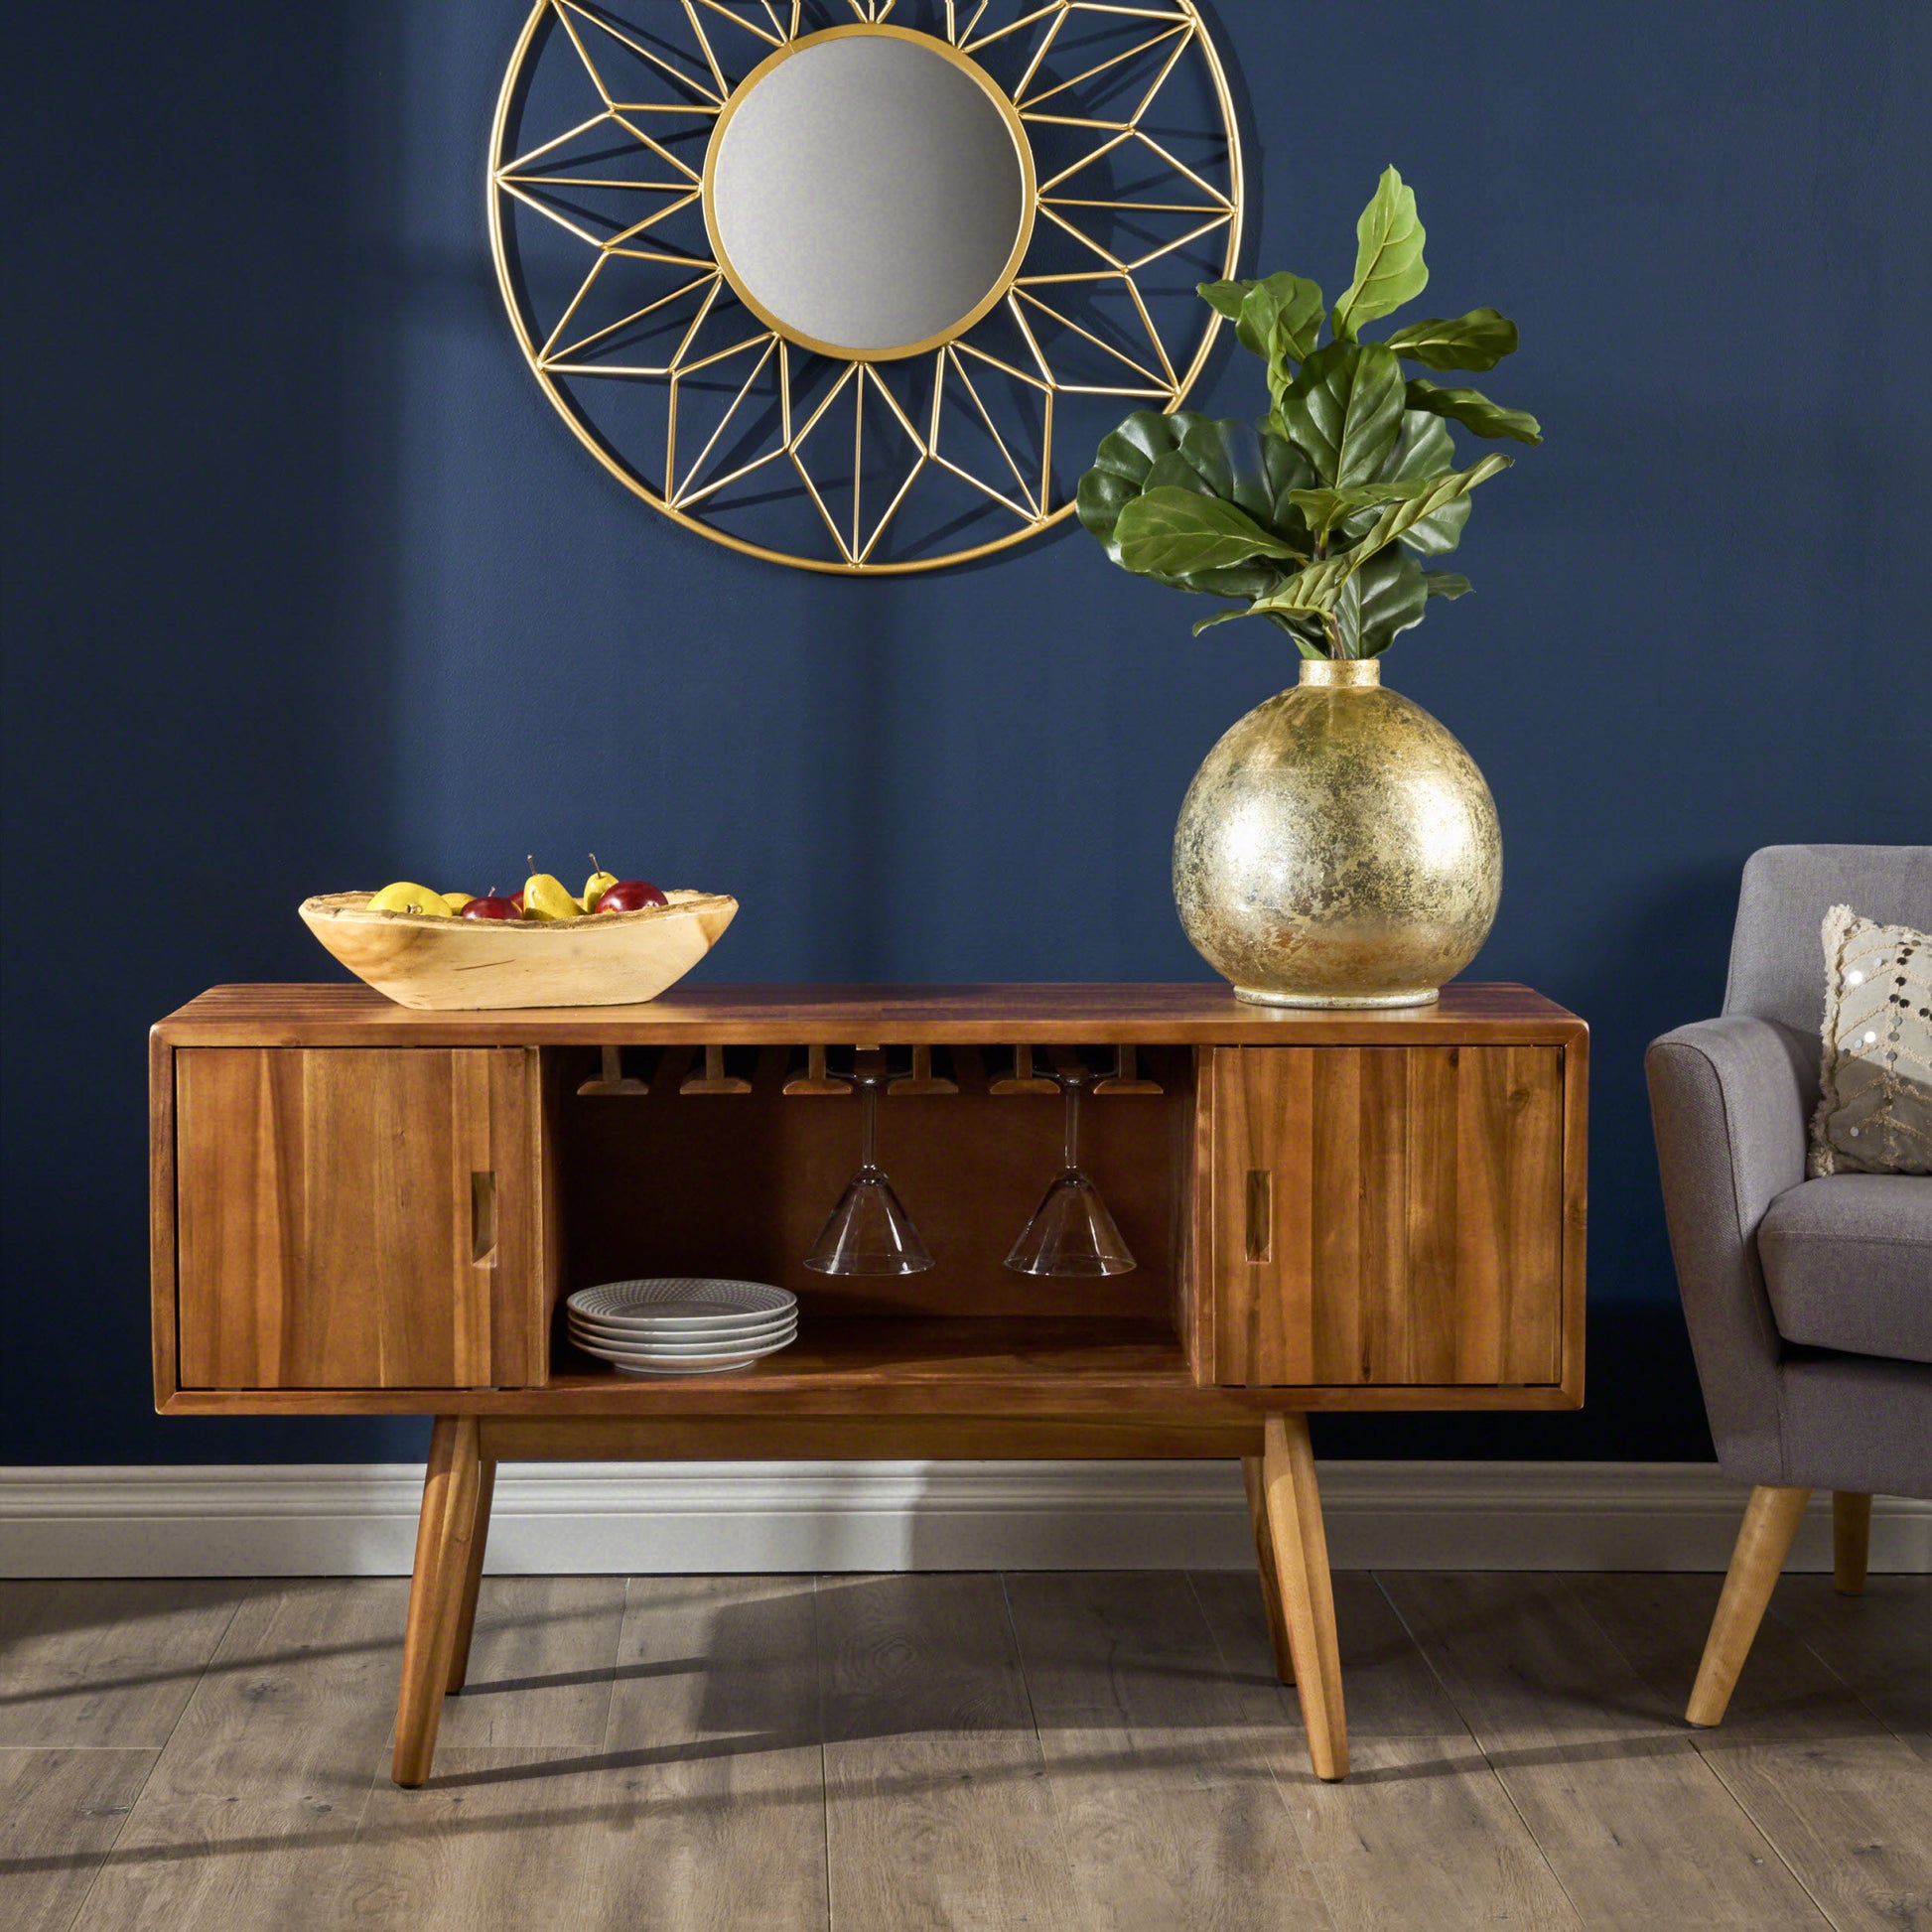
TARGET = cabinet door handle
(1261,1213)
(482,1219)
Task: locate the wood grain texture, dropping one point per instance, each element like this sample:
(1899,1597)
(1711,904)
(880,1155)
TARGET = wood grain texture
(163,1316)
(539,1675)
(466,1614)
(1559,1712)
(1847,1805)
(63,1810)
(612,1784)
(1771,1520)
(329,1232)
(1422,1836)
(451,1480)
(1195,1013)
(938,1811)
(1158,1770)
(1875,1642)
(251,1809)
(602,1438)
(1057,1370)
(1414,1208)
(383,1231)
(700,1805)
(714,1721)
(1850,1539)
(440,964)
(99,1665)
(1268,1569)
(688,1181)
(1576,1211)
(1300,1548)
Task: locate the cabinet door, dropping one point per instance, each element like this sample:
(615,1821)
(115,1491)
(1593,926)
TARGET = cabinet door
(354,1218)
(1384,1215)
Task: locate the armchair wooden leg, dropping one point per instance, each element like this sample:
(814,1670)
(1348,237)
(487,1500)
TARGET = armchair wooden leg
(1271,1589)
(466,1616)
(1771,1519)
(1850,1539)
(1300,1548)
(443,1539)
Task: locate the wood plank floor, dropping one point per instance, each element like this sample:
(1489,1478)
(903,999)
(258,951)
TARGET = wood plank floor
(893,1754)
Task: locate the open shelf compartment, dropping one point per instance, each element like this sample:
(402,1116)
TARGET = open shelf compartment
(736,1185)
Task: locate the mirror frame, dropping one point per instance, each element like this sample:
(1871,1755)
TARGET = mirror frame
(515,179)
(1022,148)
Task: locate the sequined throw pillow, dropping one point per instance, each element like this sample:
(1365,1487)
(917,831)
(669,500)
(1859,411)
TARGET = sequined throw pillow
(1875,1113)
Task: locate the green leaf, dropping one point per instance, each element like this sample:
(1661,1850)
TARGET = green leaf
(1130,449)
(1222,616)
(1285,469)
(1422,448)
(1479,341)
(1279,315)
(1473,411)
(1173,470)
(1386,597)
(1322,509)
(1313,590)
(1389,267)
(1251,468)
(1344,411)
(1401,516)
(1445,583)
(1126,458)
(1284,311)
(1174,530)
(1228,458)
(1098,500)
(1224,298)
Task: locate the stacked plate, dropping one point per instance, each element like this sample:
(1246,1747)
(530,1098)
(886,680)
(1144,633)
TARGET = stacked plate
(681,1328)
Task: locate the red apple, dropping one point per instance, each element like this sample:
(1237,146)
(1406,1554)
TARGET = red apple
(491,908)
(516,900)
(630,895)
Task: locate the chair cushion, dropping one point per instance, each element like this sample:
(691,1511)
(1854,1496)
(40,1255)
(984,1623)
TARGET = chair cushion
(1848,1264)
(1787,889)
(1875,1106)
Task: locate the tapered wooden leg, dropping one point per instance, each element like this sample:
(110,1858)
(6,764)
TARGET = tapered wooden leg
(1771,1519)
(1308,1595)
(1271,1589)
(1850,1539)
(443,1540)
(466,1616)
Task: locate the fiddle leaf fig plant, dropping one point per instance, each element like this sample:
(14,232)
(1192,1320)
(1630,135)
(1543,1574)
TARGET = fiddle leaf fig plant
(1314,516)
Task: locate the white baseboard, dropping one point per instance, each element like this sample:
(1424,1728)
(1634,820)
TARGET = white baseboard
(359,1520)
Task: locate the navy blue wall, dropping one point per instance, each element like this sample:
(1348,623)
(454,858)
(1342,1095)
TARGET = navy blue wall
(306,587)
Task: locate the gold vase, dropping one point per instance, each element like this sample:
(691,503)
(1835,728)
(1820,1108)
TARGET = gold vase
(1338,847)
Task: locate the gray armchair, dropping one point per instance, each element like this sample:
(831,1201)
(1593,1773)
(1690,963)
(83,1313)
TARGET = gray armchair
(1809,1301)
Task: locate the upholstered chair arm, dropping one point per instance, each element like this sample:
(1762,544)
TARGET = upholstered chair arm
(1728,1100)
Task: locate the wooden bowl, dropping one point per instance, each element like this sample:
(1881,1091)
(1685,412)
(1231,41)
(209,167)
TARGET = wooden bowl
(437,965)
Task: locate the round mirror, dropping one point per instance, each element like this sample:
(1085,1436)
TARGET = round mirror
(869,192)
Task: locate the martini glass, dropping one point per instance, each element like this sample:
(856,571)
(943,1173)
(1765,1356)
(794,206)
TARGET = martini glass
(1071,1232)
(868,1232)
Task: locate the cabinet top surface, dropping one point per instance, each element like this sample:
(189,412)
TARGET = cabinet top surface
(1201,1013)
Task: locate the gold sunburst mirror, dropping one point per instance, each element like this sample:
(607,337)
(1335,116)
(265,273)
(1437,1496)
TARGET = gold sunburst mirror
(860,287)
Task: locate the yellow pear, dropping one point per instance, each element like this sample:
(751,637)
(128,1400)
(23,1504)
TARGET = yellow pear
(597,885)
(455,902)
(546,897)
(402,897)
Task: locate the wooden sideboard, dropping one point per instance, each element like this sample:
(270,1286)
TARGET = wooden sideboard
(360,1209)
